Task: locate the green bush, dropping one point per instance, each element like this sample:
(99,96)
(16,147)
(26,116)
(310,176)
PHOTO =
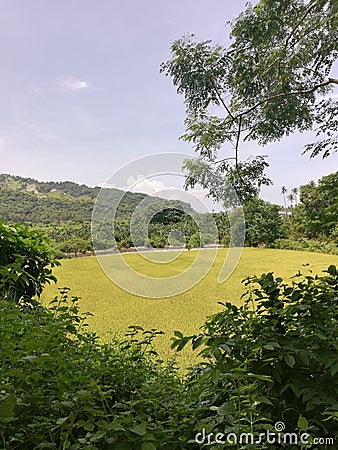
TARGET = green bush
(273,359)
(26,262)
(307,245)
(60,388)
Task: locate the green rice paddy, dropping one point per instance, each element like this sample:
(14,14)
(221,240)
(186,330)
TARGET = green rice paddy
(114,309)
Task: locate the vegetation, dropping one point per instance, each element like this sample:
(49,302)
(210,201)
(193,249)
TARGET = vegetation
(25,263)
(266,360)
(316,215)
(61,389)
(273,79)
(263,222)
(272,359)
(63,211)
(310,221)
(307,245)
(114,309)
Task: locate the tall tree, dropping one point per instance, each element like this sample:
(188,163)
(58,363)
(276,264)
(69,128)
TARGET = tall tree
(295,193)
(263,222)
(316,215)
(283,192)
(273,80)
(291,198)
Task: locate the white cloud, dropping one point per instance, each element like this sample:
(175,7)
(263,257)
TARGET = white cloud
(73,84)
(146,186)
(196,197)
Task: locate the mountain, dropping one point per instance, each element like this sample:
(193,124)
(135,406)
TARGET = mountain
(36,202)
(63,210)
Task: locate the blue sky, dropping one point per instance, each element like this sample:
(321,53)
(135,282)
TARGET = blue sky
(81,94)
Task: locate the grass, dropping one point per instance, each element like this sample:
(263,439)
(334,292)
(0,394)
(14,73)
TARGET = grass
(114,309)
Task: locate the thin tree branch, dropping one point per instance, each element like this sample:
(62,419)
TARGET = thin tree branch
(237,151)
(237,141)
(224,159)
(301,20)
(287,94)
(221,99)
(247,137)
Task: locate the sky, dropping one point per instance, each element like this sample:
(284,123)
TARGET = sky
(81,94)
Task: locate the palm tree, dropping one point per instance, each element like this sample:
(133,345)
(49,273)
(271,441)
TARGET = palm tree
(291,197)
(283,192)
(295,193)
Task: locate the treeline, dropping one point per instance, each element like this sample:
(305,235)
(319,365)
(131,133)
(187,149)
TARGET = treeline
(63,211)
(32,201)
(311,219)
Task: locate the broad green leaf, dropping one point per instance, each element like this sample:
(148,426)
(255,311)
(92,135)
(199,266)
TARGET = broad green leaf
(138,429)
(217,354)
(62,420)
(7,406)
(302,423)
(148,446)
(290,360)
(178,334)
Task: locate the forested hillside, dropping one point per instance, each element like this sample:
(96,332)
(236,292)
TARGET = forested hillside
(29,200)
(64,210)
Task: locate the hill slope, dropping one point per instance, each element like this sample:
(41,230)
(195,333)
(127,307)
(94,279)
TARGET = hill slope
(29,200)
(64,210)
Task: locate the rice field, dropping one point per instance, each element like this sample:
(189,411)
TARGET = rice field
(114,309)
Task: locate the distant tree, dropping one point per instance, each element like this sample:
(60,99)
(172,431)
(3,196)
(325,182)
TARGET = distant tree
(316,215)
(194,241)
(168,216)
(75,245)
(273,80)
(291,198)
(263,222)
(295,194)
(283,192)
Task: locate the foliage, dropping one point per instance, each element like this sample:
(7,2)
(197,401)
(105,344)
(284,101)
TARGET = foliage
(274,79)
(230,186)
(316,215)
(272,359)
(84,395)
(263,222)
(308,245)
(282,56)
(63,211)
(25,262)
(58,203)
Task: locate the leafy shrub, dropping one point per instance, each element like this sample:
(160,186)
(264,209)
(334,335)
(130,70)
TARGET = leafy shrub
(25,262)
(307,245)
(60,388)
(273,359)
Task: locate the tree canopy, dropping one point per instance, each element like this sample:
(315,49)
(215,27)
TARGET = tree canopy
(316,216)
(274,79)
